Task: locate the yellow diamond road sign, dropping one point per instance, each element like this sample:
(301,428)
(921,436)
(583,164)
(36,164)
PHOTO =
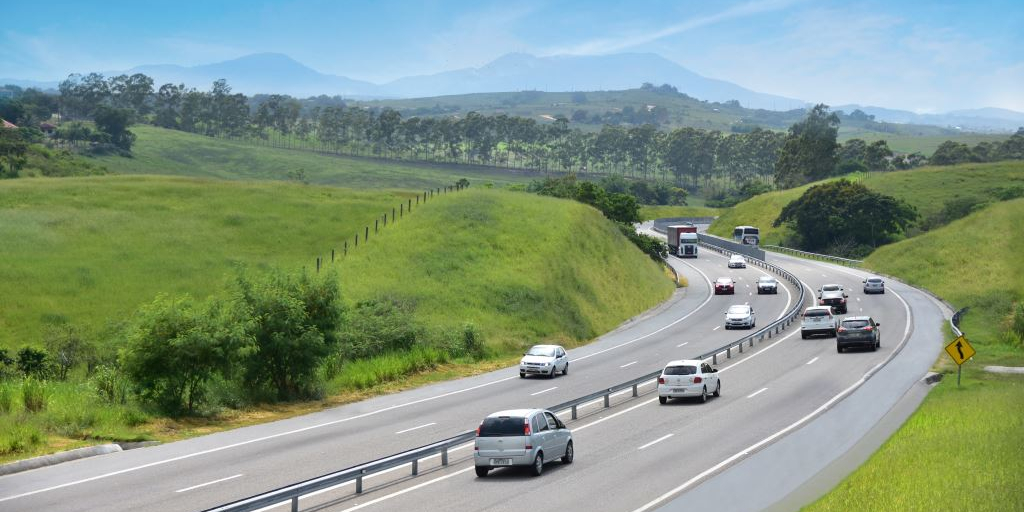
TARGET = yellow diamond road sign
(960,350)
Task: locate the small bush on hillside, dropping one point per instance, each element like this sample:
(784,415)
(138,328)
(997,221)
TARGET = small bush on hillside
(33,363)
(6,398)
(68,348)
(652,247)
(7,366)
(111,384)
(377,326)
(1015,324)
(34,395)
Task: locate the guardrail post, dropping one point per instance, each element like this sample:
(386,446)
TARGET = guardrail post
(359,482)
(714,358)
(752,341)
(295,504)
(574,412)
(728,353)
(444,456)
(415,467)
(607,398)
(634,391)
(741,347)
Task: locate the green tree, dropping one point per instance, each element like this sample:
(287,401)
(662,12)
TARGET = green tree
(827,213)
(809,153)
(12,152)
(174,347)
(295,324)
(114,122)
(33,363)
(951,153)
(68,348)
(621,208)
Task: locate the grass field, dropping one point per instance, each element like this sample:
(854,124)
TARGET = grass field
(964,448)
(176,153)
(927,188)
(661,212)
(926,144)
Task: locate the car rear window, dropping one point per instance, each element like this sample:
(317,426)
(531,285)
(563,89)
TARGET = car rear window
(855,324)
(815,313)
(738,309)
(874,281)
(502,426)
(725,281)
(680,370)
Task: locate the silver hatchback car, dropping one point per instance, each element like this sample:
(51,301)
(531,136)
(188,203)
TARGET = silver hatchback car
(521,437)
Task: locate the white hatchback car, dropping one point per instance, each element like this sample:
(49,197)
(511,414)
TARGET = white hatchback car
(819,320)
(737,261)
(688,378)
(521,437)
(544,360)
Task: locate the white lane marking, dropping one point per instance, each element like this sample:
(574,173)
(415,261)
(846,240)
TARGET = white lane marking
(416,428)
(409,489)
(606,418)
(758,392)
(250,441)
(658,440)
(681,344)
(751,294)
(858,299)
(648,335)
(209,483)
(812,361)
(717,328)
(628,364)
(824,275)
(552,388)
(784,431)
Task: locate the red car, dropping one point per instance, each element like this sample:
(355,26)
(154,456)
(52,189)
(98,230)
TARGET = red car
(725,285)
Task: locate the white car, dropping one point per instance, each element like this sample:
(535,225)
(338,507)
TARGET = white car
(740,315)
(767,284)
(819,320)
(737,261)
(688,378)
(544,360)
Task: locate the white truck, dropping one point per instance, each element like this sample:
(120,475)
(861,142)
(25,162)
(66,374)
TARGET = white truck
(682,240)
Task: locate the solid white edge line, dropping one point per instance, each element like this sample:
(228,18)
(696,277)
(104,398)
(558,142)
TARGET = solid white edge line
(812,361)
(415,428)
(658,440)
(552,388)
(758,392)
(209,483)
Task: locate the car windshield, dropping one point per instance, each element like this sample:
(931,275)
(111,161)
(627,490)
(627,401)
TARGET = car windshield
(855,324)
(503,426)
(725,281)
(767,279)
(815,313)
(738,309)
(737,258)
(680,370)
(541,351)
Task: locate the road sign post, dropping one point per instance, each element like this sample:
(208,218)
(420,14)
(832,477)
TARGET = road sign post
(960,350)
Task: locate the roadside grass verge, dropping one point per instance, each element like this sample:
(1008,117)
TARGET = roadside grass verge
(177,153)
(963,449)
(927,188)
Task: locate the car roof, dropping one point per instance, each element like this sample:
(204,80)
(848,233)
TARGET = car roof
(740,306)
(736,256)
(515,413)
(546,346)
(819,308)
(724,279)
(766,277)
(873,278)
(857,318)
(685,362)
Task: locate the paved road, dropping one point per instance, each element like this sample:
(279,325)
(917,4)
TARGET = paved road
(213,469)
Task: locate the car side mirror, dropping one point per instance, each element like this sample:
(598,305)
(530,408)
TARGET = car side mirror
(714,370)
(877,324)
(845,295)
(864,281)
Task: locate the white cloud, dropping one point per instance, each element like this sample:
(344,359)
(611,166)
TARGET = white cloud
(625,41)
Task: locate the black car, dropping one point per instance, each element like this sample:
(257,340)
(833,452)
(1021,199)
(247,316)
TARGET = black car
(836,299)
(858,331)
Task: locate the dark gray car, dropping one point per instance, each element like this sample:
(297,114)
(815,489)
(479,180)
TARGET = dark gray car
(858,331)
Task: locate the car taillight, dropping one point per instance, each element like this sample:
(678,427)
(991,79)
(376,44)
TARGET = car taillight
(868,328)
(478,431)
(661,380)
(528,447)
(842,301)
(526,428)
(842,329)
(697,380)
(821,302)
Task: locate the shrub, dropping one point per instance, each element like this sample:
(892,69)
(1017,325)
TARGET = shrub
(111,384)
(67,347)
(6,398)
(34,395)
(656,249)
(32,362)
(376,326)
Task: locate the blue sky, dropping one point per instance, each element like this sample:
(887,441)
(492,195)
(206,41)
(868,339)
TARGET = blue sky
(924,56)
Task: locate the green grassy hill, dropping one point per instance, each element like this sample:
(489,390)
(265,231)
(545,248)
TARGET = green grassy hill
(90,250)
(927,188)
(177,153)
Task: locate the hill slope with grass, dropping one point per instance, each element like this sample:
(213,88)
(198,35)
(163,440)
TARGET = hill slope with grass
(929,189)
(177,153)
(522,268)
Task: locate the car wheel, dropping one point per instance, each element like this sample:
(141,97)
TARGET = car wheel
(839,348)
(538,465)
(481,471)
(727,327)
(662,400)
(569,454)
(878,343)
(874,346)
(803,335)
(704,395)
(522,375)
(565,371)
(552,374)
(718,389)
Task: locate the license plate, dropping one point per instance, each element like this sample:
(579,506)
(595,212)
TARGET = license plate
(678,390)
(501,462)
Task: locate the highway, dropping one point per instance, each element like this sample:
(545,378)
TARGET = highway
(626,456)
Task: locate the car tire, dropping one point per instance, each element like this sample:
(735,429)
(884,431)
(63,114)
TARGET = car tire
(565,371)
(874,346)
(552,374)
(718,389)
(481,471)
(569,454)
(839,348)
(522,375)
(538,464)
(703,395)
(803,335)
(663,400)
(878,343)
(727,327)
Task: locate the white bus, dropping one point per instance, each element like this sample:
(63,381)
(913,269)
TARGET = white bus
(748,235)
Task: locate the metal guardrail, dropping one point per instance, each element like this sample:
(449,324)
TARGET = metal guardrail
(815,256)
(661,224)
(293,492)
(733,247)
(954,321)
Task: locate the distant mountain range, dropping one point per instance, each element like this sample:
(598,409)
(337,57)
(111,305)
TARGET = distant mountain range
(276,73)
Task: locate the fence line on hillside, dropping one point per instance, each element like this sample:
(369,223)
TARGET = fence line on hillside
(382,222)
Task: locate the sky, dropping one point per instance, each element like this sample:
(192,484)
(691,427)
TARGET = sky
(924,56)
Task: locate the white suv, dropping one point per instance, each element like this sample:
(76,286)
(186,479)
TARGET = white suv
(819,320)
(688,378)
